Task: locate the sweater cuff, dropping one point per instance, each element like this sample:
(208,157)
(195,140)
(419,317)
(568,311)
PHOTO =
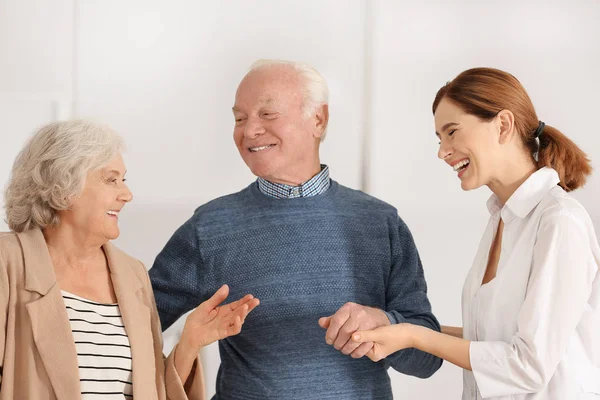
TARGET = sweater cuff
(395,317)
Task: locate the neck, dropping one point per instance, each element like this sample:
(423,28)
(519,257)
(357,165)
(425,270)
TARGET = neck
(297,177)
(70,247)
(513,175)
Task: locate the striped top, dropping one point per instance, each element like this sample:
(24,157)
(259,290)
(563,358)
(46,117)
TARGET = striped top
(103,351)
(316,185)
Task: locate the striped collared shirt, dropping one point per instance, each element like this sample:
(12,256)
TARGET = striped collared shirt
(316,185)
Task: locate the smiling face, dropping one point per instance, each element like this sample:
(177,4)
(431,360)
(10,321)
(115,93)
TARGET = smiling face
(274,137)
(468,144)
(95,213)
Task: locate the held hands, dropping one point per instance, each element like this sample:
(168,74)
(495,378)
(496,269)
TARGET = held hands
(385,340)
(350,318)
(210,322)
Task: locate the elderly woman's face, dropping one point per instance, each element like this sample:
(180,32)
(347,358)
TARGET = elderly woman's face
(96,211)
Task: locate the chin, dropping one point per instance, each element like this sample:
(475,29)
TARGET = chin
(467,186)
(261,171)
(112,235)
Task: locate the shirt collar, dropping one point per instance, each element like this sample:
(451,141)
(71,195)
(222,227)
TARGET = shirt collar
(316,185)
(527,196)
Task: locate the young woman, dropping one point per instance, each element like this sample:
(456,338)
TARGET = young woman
(531,302)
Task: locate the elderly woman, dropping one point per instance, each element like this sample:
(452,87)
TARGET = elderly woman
(77,315)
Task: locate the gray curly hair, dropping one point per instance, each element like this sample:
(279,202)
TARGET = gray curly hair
(50,171)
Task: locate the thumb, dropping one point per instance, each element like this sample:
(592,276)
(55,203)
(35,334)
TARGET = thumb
(365,336)
(324,322)
(217,298)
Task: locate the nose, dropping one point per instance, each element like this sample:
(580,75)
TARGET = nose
(253,128)
(445,150)
(125,196)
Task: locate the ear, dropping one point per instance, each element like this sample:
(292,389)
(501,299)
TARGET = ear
(506,126)
(321,120)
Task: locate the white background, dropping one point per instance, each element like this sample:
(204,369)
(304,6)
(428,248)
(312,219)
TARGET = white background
(164,74)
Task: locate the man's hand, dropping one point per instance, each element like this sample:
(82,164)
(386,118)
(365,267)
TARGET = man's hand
(352,317)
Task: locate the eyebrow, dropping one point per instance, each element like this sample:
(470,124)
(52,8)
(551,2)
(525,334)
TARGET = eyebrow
(448,125)
(114,171)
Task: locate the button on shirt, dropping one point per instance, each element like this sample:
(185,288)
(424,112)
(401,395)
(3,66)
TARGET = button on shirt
(316,185)
(535,327)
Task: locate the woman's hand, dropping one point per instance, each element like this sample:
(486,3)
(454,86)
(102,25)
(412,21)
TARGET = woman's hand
(386,340)
(208,323)
(389,339)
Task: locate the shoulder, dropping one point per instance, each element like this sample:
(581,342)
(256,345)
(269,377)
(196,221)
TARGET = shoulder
(560,208)
(9,243)
(359,198)
(225,202)
(221,209)
(11,251)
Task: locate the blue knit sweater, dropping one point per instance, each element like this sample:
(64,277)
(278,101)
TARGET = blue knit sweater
(303,258)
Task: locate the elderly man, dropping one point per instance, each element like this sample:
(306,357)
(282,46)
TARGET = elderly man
(325,260)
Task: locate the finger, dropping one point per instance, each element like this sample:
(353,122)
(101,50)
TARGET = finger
(344,335)
(366,336)
(335,324)
(350,346)
(217,298)
(240,313)
(372,355)
(362,350)
(251,306)
(235,304)
(324,322)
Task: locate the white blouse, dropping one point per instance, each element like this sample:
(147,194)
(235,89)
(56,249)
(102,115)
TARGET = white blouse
(535,328)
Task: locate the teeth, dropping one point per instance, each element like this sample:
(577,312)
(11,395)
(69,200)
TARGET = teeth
(115,213)
(461,164)
(255,149)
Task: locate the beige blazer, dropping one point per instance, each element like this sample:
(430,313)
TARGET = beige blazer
(38,359)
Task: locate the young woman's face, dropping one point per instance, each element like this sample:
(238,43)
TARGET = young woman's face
(467,144)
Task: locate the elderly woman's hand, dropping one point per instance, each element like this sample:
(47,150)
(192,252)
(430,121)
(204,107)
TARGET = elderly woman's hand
(210,321)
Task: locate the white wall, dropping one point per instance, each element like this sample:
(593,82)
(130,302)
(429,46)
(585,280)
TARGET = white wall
(36,70)
(164,74)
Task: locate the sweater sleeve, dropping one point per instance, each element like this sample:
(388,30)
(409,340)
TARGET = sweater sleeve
(175,275)
(407,302)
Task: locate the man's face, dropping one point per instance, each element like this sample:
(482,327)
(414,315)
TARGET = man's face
(271,132)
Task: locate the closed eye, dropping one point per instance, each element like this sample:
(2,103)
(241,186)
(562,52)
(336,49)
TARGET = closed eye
(450,134)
